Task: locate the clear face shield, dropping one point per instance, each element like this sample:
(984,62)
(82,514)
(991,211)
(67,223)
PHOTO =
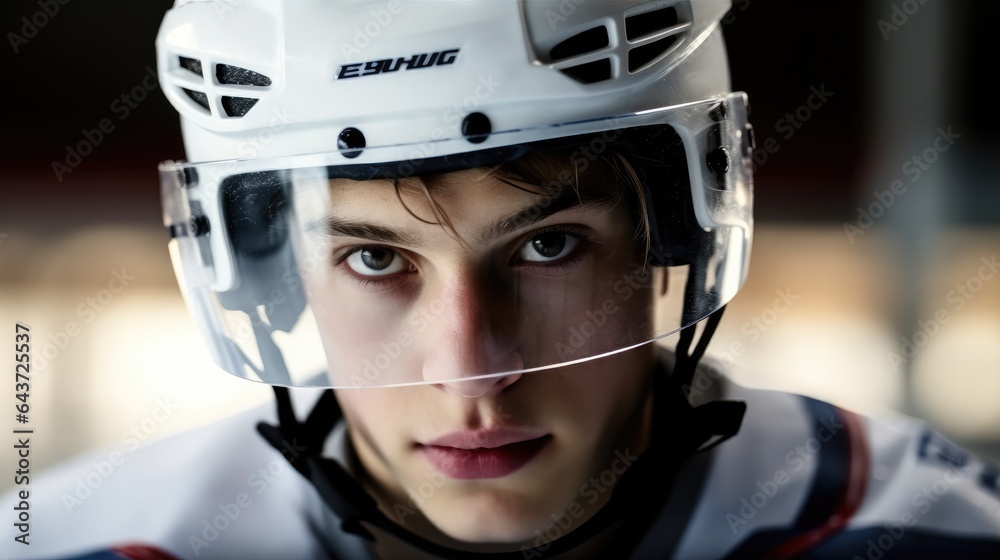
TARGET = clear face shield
(392,266)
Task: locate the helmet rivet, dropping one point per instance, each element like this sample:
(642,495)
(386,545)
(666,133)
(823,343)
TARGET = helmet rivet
(718,160)
(350,142)
(476,128)
(199,226)
(190,176)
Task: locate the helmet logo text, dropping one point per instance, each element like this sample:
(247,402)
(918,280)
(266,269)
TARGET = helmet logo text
(387,65)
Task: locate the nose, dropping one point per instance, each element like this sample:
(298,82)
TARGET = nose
(470,343)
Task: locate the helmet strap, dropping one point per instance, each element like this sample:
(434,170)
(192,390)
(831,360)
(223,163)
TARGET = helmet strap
(679,431)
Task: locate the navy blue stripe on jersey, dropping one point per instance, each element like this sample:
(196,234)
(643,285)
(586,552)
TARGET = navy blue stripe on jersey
(829,446)
(99,555)
(897,541)
(888,543)
(832,468)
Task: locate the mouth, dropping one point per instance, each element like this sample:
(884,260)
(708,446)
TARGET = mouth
(467,456)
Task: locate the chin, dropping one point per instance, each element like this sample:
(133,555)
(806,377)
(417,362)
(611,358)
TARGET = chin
(489,517)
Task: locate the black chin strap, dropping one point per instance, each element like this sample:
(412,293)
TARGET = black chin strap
(679,431)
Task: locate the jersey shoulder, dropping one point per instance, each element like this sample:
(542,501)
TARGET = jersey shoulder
(208,493)
(805,478)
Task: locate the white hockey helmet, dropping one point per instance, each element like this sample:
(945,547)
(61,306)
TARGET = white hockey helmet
(287,104)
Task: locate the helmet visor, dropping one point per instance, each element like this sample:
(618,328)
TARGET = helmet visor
(400,265)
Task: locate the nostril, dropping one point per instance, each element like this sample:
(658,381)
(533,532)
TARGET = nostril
(480,386)
(506,381)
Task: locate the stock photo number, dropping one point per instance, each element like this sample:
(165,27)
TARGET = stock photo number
(22,445)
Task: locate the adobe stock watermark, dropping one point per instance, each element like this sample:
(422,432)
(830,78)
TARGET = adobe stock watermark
(914,168)
(259,481)
(989,503)
(393,348)
(121,107)
(433,481)
(131,439)
(417,497)
(255,144)
(955,464)
(223,7)
(753,329)
(589,492)
(958,297)
(594,319)
(797,459)
(88,310)
(791,123)
(564,9)
(922,501)
(581,159)
(364,34)
(901,14)
(485,88)
(31,25)
(289,292)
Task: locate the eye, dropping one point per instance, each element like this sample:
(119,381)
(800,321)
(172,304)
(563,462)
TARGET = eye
(376,261)
(548,247)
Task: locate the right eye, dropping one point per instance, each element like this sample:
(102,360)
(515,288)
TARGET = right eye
(375,261)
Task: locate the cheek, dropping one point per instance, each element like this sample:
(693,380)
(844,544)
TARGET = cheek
(366,413)
(620,378)
(600,401)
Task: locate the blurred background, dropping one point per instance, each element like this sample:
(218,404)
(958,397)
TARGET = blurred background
(873,283)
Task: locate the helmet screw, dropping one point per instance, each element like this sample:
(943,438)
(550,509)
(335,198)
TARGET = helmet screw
(199,226)
(350,142)
(190,177)
(476,127)
(718,160)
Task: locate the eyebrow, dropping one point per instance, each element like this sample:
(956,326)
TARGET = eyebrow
(338,227)
(536,212)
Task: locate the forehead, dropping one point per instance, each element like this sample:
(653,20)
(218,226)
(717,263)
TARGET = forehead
(537,178)
(457,188)
(465,200)
(481,206)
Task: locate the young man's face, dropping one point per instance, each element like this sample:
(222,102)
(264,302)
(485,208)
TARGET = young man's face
(519,278)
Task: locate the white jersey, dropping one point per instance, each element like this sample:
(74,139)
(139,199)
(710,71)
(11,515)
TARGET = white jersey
(801,479)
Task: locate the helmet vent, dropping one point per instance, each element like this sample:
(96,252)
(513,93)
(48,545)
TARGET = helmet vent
(234,75)
(591,72)
(237,106)
(610,41)
(191,64)
(643,24)
(198,97)
(588,41)
(641,56)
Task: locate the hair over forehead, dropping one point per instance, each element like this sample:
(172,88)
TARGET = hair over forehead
(550,176)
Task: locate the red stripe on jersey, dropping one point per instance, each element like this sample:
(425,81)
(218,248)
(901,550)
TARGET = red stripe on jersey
(142,552)
(858,465)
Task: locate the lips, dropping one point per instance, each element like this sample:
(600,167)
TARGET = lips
(487,454)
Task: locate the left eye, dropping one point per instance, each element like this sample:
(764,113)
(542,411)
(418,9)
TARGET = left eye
(376,261)
(548,247)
